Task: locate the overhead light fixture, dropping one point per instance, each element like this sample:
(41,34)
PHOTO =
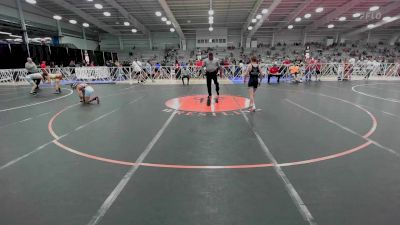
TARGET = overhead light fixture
(168,22)
(211,18)
(106,14)
(210,21)
(85,24)
(90,0)
(158,13)
(31,1)
(57,17)
(259,16)
(164,19)
(98,6)
(250,28)
(370,26)
(374,8)
(355,15)
(386,18)
(172,29)
(319,9)
(134,31)
(254,20)
(210,12)
(330,26)
(343,18)
(126,24)
(210,29)
(6,33)
(72,21)
(290,27)
(264,11)
(16,36)
(298,19)
(308,15)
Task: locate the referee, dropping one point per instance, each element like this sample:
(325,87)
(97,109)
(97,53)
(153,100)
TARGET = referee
(212,65)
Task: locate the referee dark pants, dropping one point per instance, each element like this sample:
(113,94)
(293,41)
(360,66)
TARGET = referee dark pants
(212,76)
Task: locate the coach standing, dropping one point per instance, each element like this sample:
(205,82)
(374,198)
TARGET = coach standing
(212,65)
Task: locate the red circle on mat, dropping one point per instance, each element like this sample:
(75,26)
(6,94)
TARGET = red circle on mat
(198,103)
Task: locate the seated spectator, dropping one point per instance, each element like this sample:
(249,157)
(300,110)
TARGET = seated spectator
(274,72)
(294,72)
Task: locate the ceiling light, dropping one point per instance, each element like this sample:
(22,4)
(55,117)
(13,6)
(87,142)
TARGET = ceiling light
(172,29)
(85,24)
(308,15)
(250,28)
(134,31)
(319,9)
(343,18)
(298,19)
(158,13)
(259,16)
(126,24)
(211,21)
(210,12)
(374,8)
(31,1)
(370,26)
(290,27)
(16,36)
(90,0)
(1,32)
(106,14)
(98,6)
(355,15)
(57,17)
(264,11)
(168,22)
(210,29)
(211,18)
(254,20)
(386,18)
(164,19)
(330,26)
(72,21)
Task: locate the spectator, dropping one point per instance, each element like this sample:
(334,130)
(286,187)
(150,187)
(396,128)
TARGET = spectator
(274,72)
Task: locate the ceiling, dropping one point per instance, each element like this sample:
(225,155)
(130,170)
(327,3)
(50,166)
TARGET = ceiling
(232,14)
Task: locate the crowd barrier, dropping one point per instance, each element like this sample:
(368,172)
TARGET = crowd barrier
(136,74)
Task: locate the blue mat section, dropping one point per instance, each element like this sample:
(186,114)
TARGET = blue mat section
(273,80)
(68,82)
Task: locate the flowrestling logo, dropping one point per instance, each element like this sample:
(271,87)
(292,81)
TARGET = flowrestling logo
(197,105)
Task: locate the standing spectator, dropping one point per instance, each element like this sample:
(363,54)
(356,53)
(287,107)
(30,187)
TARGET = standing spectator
(177,69)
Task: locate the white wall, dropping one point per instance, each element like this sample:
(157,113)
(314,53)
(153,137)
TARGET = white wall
(216,34)
(79,42)
(161,40)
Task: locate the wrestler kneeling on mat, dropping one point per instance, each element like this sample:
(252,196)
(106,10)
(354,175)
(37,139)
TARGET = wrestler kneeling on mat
(255,75)
(85,93)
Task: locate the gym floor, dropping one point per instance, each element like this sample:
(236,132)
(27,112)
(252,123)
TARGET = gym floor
(314,153)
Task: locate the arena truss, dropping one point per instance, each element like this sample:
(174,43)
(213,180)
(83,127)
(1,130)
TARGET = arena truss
(328,71)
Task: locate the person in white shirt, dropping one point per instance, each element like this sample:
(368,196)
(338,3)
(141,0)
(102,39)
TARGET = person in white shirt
(137,69)
(212,65)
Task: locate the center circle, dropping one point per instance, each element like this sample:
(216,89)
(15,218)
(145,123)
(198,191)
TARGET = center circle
(198,103)
(341,153)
